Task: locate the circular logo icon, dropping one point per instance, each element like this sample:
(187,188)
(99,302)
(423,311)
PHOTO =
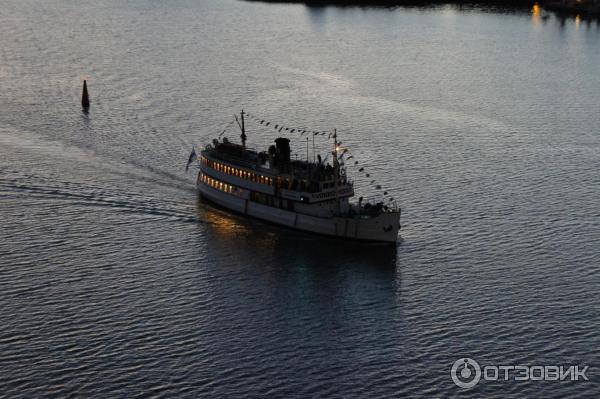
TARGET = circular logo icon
(465,373)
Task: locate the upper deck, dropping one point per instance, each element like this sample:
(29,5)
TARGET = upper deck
(296,180)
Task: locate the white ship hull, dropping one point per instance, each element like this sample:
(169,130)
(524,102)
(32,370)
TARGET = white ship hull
(382,228)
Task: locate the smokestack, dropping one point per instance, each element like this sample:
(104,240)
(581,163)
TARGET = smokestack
(85,99)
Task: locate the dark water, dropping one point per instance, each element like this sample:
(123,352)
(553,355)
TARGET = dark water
(115,281)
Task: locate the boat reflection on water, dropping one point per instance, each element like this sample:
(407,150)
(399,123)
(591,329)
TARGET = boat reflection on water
(256,241)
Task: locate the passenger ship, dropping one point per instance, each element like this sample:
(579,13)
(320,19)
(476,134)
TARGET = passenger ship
(303,195)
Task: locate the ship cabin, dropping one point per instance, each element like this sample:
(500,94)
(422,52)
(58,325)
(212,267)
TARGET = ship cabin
(272,178)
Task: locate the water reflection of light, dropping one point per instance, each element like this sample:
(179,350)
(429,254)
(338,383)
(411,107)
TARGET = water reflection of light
(577,20)
(249,241)
(535,14)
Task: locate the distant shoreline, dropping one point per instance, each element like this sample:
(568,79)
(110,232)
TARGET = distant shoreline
(585,8)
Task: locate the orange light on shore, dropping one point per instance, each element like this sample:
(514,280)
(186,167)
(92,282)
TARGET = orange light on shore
(535,10)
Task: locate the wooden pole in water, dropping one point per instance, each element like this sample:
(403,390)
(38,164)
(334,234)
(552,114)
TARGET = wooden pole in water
(85,99)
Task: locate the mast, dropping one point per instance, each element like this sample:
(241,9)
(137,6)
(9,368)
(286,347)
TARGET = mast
(243,136)
(336,169)
(307,160)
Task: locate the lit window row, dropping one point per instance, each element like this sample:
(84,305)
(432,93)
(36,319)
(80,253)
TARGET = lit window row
(219,185)
(242,174)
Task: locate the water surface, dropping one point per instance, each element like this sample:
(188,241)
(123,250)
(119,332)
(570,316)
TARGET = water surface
(115,280)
